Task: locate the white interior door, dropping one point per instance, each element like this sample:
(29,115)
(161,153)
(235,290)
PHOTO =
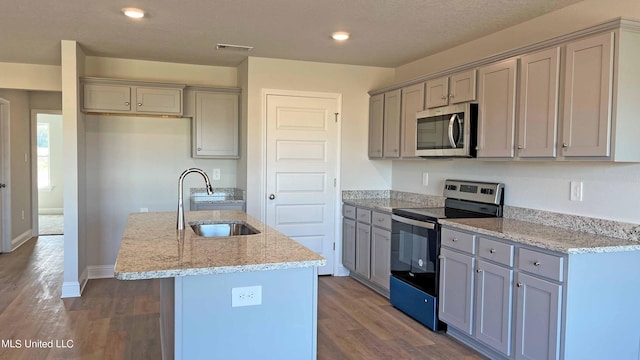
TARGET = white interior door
(5,206)
(302,161)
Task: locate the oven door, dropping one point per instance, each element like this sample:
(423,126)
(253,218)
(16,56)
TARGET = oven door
(414,252)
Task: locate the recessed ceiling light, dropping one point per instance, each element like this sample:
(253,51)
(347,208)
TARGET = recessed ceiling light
(133,12)
(340,35)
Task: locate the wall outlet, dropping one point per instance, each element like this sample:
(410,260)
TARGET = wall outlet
(576,191)
(22,214)
(216,174)
(425,179)
(144,209)
(246,296)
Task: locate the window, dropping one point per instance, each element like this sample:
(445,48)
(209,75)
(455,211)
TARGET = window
(44,159)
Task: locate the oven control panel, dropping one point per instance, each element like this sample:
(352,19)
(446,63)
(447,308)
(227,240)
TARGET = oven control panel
(484,192)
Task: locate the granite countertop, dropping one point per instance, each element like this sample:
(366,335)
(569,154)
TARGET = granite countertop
(152,248)
(219,196)
(544,236)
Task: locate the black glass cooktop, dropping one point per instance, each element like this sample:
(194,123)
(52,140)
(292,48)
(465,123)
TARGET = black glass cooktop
(435,213)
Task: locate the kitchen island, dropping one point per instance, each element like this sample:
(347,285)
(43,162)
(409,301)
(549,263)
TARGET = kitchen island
(236,297)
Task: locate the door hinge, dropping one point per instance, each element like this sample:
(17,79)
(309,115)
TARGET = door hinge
(334,246)
(335,182)
(336,114)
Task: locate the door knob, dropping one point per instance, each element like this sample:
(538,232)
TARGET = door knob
(272,196)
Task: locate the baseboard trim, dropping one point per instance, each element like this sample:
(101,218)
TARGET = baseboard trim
(51,211)
(101,272)
(70,289)
(21,239)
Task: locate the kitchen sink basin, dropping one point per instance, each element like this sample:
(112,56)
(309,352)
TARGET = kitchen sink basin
(221,229)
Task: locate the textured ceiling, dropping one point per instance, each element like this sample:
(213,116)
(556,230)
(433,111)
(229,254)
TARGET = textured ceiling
(385,33)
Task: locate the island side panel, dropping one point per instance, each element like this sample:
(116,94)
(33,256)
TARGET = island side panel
(167,323)
(283,326)
(603,311)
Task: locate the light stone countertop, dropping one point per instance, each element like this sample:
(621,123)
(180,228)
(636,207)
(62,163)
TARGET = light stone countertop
(385,204)
(543,236)
(152,248)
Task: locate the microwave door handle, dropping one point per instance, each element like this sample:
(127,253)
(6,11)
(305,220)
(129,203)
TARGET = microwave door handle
(451,139)
(460,134)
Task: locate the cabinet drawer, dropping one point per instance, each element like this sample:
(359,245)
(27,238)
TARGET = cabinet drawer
(459,240)
(349,211)
(381,220)
(541,264)
(363,215)
(414,302)
(496,251)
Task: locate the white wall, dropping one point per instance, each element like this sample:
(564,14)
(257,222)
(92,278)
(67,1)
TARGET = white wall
(353,82)
(30,77)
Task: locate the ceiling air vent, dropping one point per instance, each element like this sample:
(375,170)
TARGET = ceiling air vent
(234,47)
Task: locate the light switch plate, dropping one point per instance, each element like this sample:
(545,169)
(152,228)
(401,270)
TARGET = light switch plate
(216,174)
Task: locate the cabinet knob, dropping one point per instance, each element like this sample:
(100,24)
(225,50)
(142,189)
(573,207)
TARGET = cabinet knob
(126,103)
(199,149)
(519,284)
(454,239)
(536,263)
(441,257)
(565,145)
(451,96)
(477,147)
(478,271)
(139,104)
(520,147)
(493,251)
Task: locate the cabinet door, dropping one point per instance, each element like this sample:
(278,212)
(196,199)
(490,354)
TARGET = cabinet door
(349,244)
(538,116)
(588,81)
(496,109)
(462,87)
(363,249)
(380,257)
(98,97)
(537,318)
(456,290)
(157,100)
(216,125)
(391,134)
(412,102)
(376,116)
(494,302)
(437,92)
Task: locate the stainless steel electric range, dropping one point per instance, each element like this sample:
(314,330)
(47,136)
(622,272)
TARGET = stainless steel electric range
(415,245)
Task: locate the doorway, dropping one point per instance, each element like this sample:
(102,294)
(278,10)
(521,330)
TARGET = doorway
(302,152)
(5,172)
(47,169)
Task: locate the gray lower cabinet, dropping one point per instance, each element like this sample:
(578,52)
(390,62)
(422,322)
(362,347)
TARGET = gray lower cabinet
(537,318)
(349,243)
(366,246)
(456,289)
(363,249)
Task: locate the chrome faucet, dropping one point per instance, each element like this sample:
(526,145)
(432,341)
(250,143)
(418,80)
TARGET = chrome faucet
(180,202)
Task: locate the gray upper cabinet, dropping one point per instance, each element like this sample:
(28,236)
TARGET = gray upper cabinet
(412,102)
(538,106)
(391,133)
(588,96)
(496,109)
(457,88)
(216,123)
(376,121)
(121,97)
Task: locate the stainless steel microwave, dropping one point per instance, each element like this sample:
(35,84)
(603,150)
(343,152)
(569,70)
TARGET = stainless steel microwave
(448,131)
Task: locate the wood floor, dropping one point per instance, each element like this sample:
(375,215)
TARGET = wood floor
(119,319)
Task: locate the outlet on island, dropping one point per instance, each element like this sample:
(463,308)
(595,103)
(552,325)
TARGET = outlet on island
(246,296)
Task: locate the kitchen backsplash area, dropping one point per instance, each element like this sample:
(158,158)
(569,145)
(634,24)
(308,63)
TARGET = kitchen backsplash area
(616,229)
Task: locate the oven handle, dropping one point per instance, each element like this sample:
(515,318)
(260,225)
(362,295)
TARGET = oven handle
(422,224)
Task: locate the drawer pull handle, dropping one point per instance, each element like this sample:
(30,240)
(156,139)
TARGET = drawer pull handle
(492,251)
(536,263)
(519,284)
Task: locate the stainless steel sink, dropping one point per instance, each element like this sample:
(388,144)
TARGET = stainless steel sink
(221,229)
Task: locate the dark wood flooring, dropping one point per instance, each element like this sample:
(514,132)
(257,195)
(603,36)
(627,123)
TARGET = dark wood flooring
(119,319)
